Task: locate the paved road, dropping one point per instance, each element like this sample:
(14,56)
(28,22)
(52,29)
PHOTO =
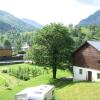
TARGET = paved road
(14,61)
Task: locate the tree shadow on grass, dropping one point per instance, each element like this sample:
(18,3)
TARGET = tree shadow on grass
(62,82)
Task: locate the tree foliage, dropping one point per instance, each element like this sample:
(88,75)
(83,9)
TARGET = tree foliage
(52,45)
(7,43)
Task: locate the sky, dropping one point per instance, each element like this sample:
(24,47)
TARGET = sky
(49,11)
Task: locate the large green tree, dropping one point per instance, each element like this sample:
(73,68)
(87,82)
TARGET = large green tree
(52,45)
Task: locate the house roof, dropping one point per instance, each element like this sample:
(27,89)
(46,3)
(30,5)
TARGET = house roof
(4,47)
(95,44)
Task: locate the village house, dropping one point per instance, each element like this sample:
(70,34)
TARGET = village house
(5,52)
(23,50)
(87,62)
(25,46)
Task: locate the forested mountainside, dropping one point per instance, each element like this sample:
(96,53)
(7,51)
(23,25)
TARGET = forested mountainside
(9,23)
(93,19)
(32,22)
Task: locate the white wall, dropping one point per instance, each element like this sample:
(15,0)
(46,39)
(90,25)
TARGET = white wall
(84,75)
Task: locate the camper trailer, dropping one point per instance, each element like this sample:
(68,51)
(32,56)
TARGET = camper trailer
(42,92)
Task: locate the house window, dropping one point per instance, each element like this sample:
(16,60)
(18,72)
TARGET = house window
(98,61)
(80,71)
(98,75)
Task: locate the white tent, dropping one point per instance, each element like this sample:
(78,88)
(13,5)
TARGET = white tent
(42,92)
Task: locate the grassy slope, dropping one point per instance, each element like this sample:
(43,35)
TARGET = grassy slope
(6,94)
(79,91)
(65,90)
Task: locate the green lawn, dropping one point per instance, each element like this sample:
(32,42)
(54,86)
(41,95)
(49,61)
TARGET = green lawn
(65,89)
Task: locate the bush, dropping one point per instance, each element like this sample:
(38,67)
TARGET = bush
(36,72)
(26,77)
(24,73)
(6,84)
(4,71)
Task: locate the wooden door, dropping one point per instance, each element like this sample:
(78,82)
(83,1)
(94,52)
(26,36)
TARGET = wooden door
(89,76)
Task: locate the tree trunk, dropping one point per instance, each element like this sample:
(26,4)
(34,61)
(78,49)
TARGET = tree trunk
(54,62)
(54,71)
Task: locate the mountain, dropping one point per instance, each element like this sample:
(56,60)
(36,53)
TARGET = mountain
(93,19)
(9,22)
(31,22)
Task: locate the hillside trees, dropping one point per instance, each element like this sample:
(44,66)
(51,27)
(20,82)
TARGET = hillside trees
(78,36)
(7,43)
(17,40)
(27,37)
(52,45)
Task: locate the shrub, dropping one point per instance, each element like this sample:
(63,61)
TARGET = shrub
(36,72)
(6,84)
(46,69)
(24,73)
(26,77)
(4,71)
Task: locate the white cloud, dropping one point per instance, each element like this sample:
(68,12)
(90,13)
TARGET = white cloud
(90,2)
(47,11)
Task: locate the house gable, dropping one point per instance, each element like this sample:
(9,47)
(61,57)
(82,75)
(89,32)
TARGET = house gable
(87,56)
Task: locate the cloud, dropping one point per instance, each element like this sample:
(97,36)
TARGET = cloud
(90,2)
(47,11)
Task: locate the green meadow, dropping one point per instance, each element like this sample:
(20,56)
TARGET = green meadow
(65,89)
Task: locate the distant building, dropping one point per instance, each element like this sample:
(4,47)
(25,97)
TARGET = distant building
(87,61)
(25,47)
(5,52)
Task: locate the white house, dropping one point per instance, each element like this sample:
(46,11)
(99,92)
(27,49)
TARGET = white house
(87,62)
(25,47)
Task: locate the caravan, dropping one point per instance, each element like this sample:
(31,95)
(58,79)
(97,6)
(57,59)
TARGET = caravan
(42,92)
